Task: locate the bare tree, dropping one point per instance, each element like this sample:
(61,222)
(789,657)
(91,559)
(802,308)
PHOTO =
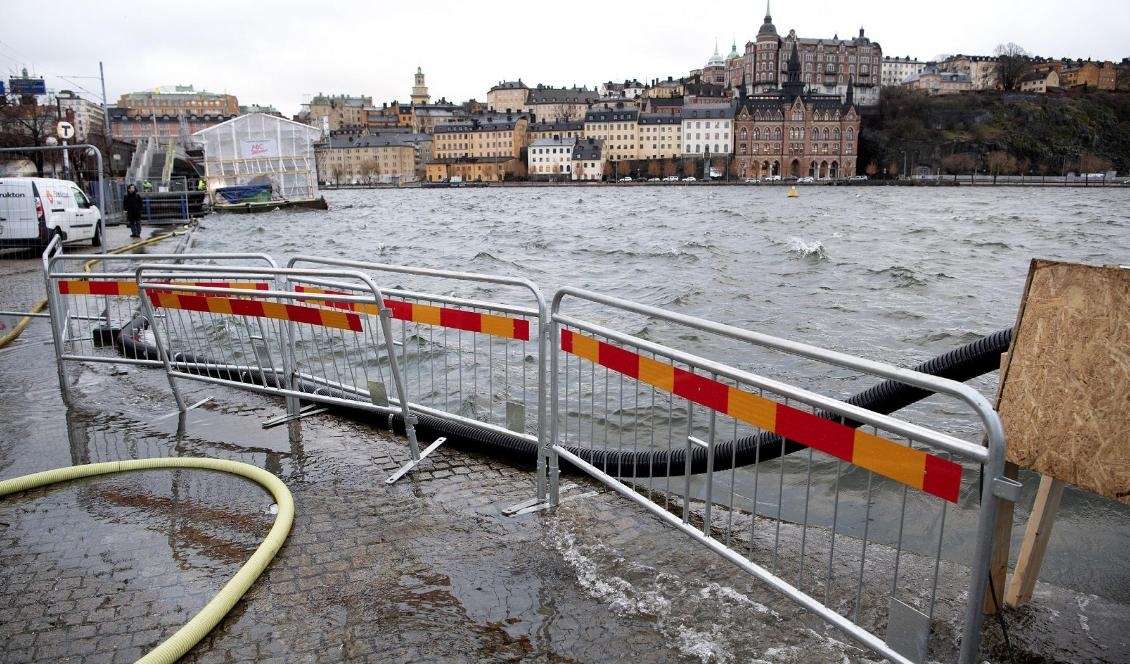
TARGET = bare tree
(1001,163)
(26,123)
(1012,64)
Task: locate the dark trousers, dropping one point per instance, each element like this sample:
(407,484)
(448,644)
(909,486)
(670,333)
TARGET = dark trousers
(135,226)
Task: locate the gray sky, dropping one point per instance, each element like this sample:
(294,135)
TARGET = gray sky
(281,52)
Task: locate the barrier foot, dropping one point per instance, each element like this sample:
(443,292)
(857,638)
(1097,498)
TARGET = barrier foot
(411,465)
(283,419)
(539,504)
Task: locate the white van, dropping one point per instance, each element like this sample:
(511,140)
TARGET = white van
(34,209)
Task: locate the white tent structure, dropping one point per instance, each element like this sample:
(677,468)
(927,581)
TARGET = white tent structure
(257,149)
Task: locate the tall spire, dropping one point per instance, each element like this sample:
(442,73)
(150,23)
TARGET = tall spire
(767,28)
(793,85)
(849,99)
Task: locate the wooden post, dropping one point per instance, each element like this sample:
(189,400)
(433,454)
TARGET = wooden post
(1035,542)
(1002,545)
(1002,532)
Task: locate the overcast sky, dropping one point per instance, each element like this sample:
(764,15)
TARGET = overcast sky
(281,52)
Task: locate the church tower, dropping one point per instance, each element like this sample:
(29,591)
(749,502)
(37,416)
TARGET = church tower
(420,94)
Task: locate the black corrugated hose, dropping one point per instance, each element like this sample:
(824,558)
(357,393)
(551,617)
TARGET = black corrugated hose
(969,361)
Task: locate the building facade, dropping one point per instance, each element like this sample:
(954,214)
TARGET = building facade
(540,130)
(332,112)
(617,128)
(374,158)
(981,70)
(178,100)
(1039,81)
(707,128)
(588,160)
(550,159)
(490,135)
(897,70)
(87,117)
(508,96)
(660,136)
(794,132)
(829,66)
(559,104)
(936,82)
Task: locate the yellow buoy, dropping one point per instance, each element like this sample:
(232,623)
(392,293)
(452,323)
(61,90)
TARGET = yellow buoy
(792,192)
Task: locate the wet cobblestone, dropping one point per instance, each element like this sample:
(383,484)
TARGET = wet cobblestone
(428,569)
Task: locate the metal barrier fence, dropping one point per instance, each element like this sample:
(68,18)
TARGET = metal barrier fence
(853,526)
(89,308)
(260,330)
(465,359)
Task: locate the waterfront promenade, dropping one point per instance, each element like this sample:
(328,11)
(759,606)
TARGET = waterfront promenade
(428,569)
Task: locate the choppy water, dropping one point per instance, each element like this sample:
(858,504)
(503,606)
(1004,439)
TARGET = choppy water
(888,273)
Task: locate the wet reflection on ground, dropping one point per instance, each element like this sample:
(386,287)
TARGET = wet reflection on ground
(424,570)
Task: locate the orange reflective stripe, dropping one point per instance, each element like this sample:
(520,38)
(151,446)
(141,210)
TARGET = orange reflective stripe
(258,309)
(916,468)
(425,314)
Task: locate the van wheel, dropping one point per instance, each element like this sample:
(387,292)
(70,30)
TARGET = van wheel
(96,241)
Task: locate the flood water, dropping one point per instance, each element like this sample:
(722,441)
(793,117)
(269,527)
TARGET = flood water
(893,274)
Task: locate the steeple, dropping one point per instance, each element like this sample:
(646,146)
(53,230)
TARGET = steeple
(768,30)
(793,86)
(849,98)
(420,94)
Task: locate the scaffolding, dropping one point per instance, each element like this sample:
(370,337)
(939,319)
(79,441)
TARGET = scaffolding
(261,149)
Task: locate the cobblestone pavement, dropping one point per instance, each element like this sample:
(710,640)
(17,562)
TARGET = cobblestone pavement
(428,569)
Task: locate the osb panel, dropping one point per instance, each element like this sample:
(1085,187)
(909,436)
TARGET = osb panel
(1065,396)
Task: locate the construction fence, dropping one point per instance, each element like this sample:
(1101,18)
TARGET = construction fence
(881,525)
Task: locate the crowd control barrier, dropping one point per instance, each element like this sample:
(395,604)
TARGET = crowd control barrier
(841,509)
(277,337)
(90,308)
(466,359)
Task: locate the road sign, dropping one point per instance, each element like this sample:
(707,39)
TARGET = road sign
(65,130)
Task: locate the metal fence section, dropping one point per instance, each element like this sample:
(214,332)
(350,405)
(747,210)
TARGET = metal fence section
(876,524)
(261,330)
(473,347)
(89,308)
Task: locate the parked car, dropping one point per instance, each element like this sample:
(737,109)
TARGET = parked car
(626,178)
(690,178)
(653,179)
(671,178)
(34,209)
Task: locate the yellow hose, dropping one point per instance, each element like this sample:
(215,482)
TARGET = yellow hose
(39,306)
(179,643)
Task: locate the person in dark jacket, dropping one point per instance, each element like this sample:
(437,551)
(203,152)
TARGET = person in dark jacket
(132,205)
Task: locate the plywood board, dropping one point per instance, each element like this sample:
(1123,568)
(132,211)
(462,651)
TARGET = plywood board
(1065,395)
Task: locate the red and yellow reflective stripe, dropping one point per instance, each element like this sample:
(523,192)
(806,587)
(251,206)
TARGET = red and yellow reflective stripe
(457,319)
(257,308)
(916,468)
(113,287)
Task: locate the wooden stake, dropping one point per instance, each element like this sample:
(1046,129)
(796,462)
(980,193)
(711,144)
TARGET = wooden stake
(1035,542)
